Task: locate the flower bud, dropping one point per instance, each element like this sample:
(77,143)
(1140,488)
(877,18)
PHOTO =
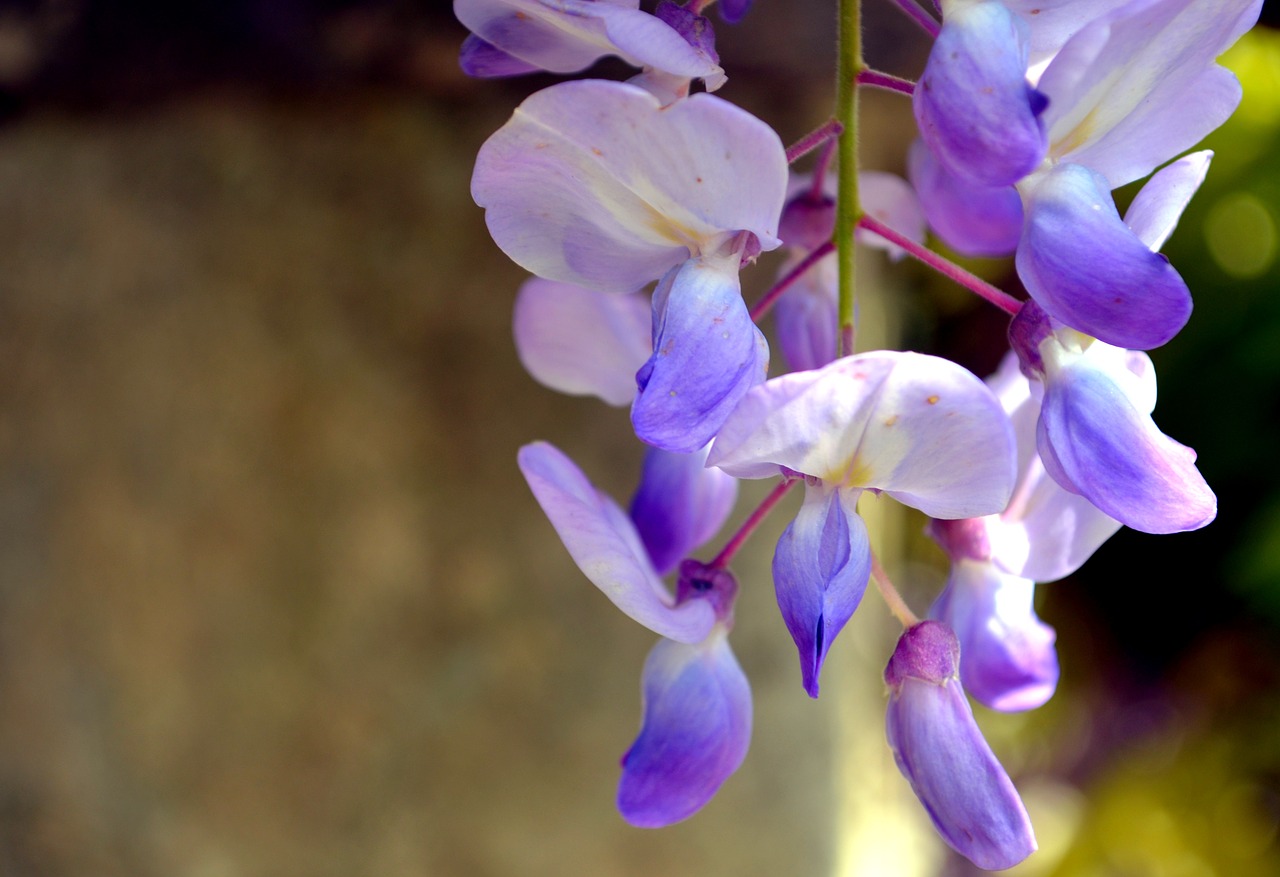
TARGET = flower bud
(941,752)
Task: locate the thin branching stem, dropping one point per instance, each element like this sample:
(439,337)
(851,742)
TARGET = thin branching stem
(725,557)
(944,266)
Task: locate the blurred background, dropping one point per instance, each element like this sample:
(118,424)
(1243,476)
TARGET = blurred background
(274,599)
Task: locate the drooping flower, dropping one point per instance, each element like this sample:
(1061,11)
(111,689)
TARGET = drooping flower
(1086,268)
(1129,91)
(973,104)
(697,716)
(921,429)
(941,752)
(1008,661)
(707,352)
(1099,274)
(511,37)
(1128,86)
(597,184)
(1007,658)
(696,703)
(1095,433)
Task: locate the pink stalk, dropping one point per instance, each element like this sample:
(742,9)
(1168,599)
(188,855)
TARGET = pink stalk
(767,300)
(821,168)
(726,554)
(876,79)
(1000,299)
(811,141)
(919,16)
(892,598)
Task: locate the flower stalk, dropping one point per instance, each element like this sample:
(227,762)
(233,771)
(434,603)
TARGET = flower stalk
(849,64)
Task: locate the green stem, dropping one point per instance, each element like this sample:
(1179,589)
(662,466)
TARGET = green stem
(849,64)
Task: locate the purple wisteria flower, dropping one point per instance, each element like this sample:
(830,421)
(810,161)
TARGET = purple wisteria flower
(512,37)
(1095,433)
(582,342)
(680,504)
(973,104)
(1127,88)
(697,715)
(1007,658)
(921,429)
(1091,270)
(696,724)
(1129,91)
(941,752)
(597,184)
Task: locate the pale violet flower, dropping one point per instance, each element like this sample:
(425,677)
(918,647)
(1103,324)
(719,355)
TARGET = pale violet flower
(1095,433)
(597,184)
(941,752)
(973,104)
(919,428)
(696,702)
(511,37)
(1129,91)
(1007,658)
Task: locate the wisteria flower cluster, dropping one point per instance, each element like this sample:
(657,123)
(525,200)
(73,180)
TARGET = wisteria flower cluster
(636,204)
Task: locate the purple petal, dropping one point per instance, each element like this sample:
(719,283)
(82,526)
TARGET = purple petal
(537,33)
(698,33)
(1086,268)
(485,60)
(1007,658)
(1164,94)
(1046,532)
(1052,533)
(973,104)
(805,316)
(809,218)
(1053,22)
(706,354)
(675,45)
(679,505)
(604,544)
(695,732)
(565,36)
(582,342)
(733,11)
(595,183)
(941,752)
(820,572)
(1095,440)
(1156,208)
(918,427)
(972,219)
